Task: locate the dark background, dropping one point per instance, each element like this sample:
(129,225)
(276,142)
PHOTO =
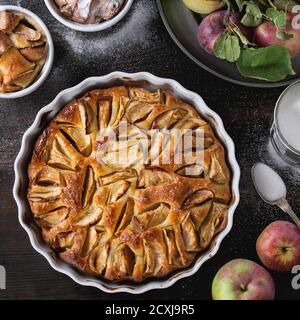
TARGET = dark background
(139,43)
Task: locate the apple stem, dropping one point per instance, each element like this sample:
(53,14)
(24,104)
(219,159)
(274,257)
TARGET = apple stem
(243,287)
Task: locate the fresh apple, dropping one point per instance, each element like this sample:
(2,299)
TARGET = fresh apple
(265,35)
(213,26)
(204,6)
(242,279)
(278,246)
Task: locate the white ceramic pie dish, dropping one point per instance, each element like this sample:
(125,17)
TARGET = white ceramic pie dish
(49,61)
(87,27)
(148,81)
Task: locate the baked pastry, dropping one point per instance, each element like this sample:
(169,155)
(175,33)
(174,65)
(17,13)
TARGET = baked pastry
(133,219)
(23,51)
(89,11)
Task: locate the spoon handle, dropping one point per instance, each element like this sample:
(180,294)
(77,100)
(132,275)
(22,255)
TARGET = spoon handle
(285,206)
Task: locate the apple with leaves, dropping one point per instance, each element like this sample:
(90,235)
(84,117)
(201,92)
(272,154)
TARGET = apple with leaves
(213,26)
(229,36)
(268,34)
(278,246)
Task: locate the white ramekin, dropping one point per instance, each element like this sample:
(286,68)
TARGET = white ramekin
(49,61)
(87,27)
(147,81)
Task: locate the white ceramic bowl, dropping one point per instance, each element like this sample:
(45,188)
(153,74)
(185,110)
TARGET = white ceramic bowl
(49,61)
(147,81)
(87,27)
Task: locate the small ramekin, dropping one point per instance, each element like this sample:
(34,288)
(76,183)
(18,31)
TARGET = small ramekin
(49,61)
(87,27)
(148,81)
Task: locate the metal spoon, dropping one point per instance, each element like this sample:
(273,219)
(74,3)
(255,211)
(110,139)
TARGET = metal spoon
(272,189)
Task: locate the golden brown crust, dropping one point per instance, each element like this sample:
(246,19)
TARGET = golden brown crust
(129,221)
(23,51)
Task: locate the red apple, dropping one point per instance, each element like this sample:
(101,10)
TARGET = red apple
(212,26)
(265,35)
(278,246)
(243,279)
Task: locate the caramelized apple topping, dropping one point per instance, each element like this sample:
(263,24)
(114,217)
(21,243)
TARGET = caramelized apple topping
(9,21)
(125,220)
(23,51)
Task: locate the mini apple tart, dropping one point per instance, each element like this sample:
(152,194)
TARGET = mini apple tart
(89,11)
(23,51)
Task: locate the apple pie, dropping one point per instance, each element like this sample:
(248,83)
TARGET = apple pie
(135,219)
(23,51)
(89,11)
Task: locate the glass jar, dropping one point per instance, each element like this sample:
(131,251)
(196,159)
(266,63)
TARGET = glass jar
(285,131)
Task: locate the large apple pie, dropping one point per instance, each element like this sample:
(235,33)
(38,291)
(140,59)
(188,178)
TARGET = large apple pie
(135,219)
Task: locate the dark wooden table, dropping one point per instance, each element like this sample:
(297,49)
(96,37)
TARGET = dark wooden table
(139,43)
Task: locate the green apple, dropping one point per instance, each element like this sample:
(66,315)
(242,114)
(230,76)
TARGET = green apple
(243,279)
(204,6)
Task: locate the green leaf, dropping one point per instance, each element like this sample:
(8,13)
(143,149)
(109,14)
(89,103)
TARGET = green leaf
(253,15)
(283,35)
(272,63)
(285,5)
(234,29)
(227,47)
(240,4)
(278,17)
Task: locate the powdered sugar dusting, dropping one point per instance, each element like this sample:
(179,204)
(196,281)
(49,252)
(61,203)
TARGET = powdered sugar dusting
(84,8)
(133,31)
